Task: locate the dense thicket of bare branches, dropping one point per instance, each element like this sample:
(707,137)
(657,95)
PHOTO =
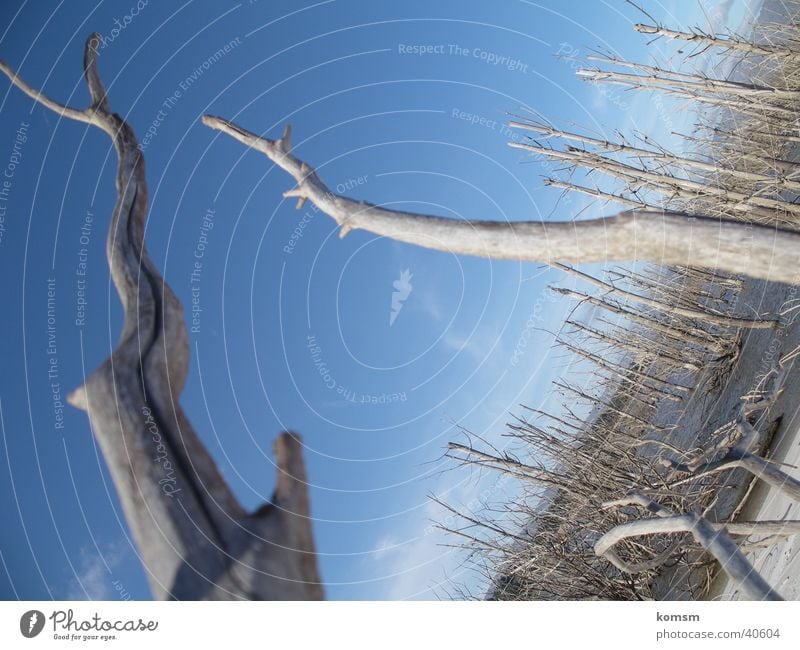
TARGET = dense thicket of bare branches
(635,362)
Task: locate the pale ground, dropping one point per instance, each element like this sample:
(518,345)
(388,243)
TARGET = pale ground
(779,563)
(707,409)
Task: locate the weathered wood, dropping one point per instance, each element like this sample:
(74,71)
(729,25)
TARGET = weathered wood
(725,43)
(673,310)
(660,155)
(665,183)
(662,237)
(644,319)
(712,537)
(195,539)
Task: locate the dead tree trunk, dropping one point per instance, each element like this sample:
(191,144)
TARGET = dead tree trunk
(195,539)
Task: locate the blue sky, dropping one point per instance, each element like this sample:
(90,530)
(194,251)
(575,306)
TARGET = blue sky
(295,327)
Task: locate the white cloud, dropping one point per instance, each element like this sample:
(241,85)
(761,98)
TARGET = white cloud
(417,568)
(473,345)
(93,578)
(426,301)
(718,15)
(423,564)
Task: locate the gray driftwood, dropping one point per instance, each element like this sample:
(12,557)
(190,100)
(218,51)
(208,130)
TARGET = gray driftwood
(195,539)
(659,236)
(715,537)
(712,537)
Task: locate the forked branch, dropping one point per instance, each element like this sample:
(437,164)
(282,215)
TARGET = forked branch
(712,537)
(195,539)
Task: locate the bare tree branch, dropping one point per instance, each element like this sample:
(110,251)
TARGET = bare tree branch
(710,537)
(661,237)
